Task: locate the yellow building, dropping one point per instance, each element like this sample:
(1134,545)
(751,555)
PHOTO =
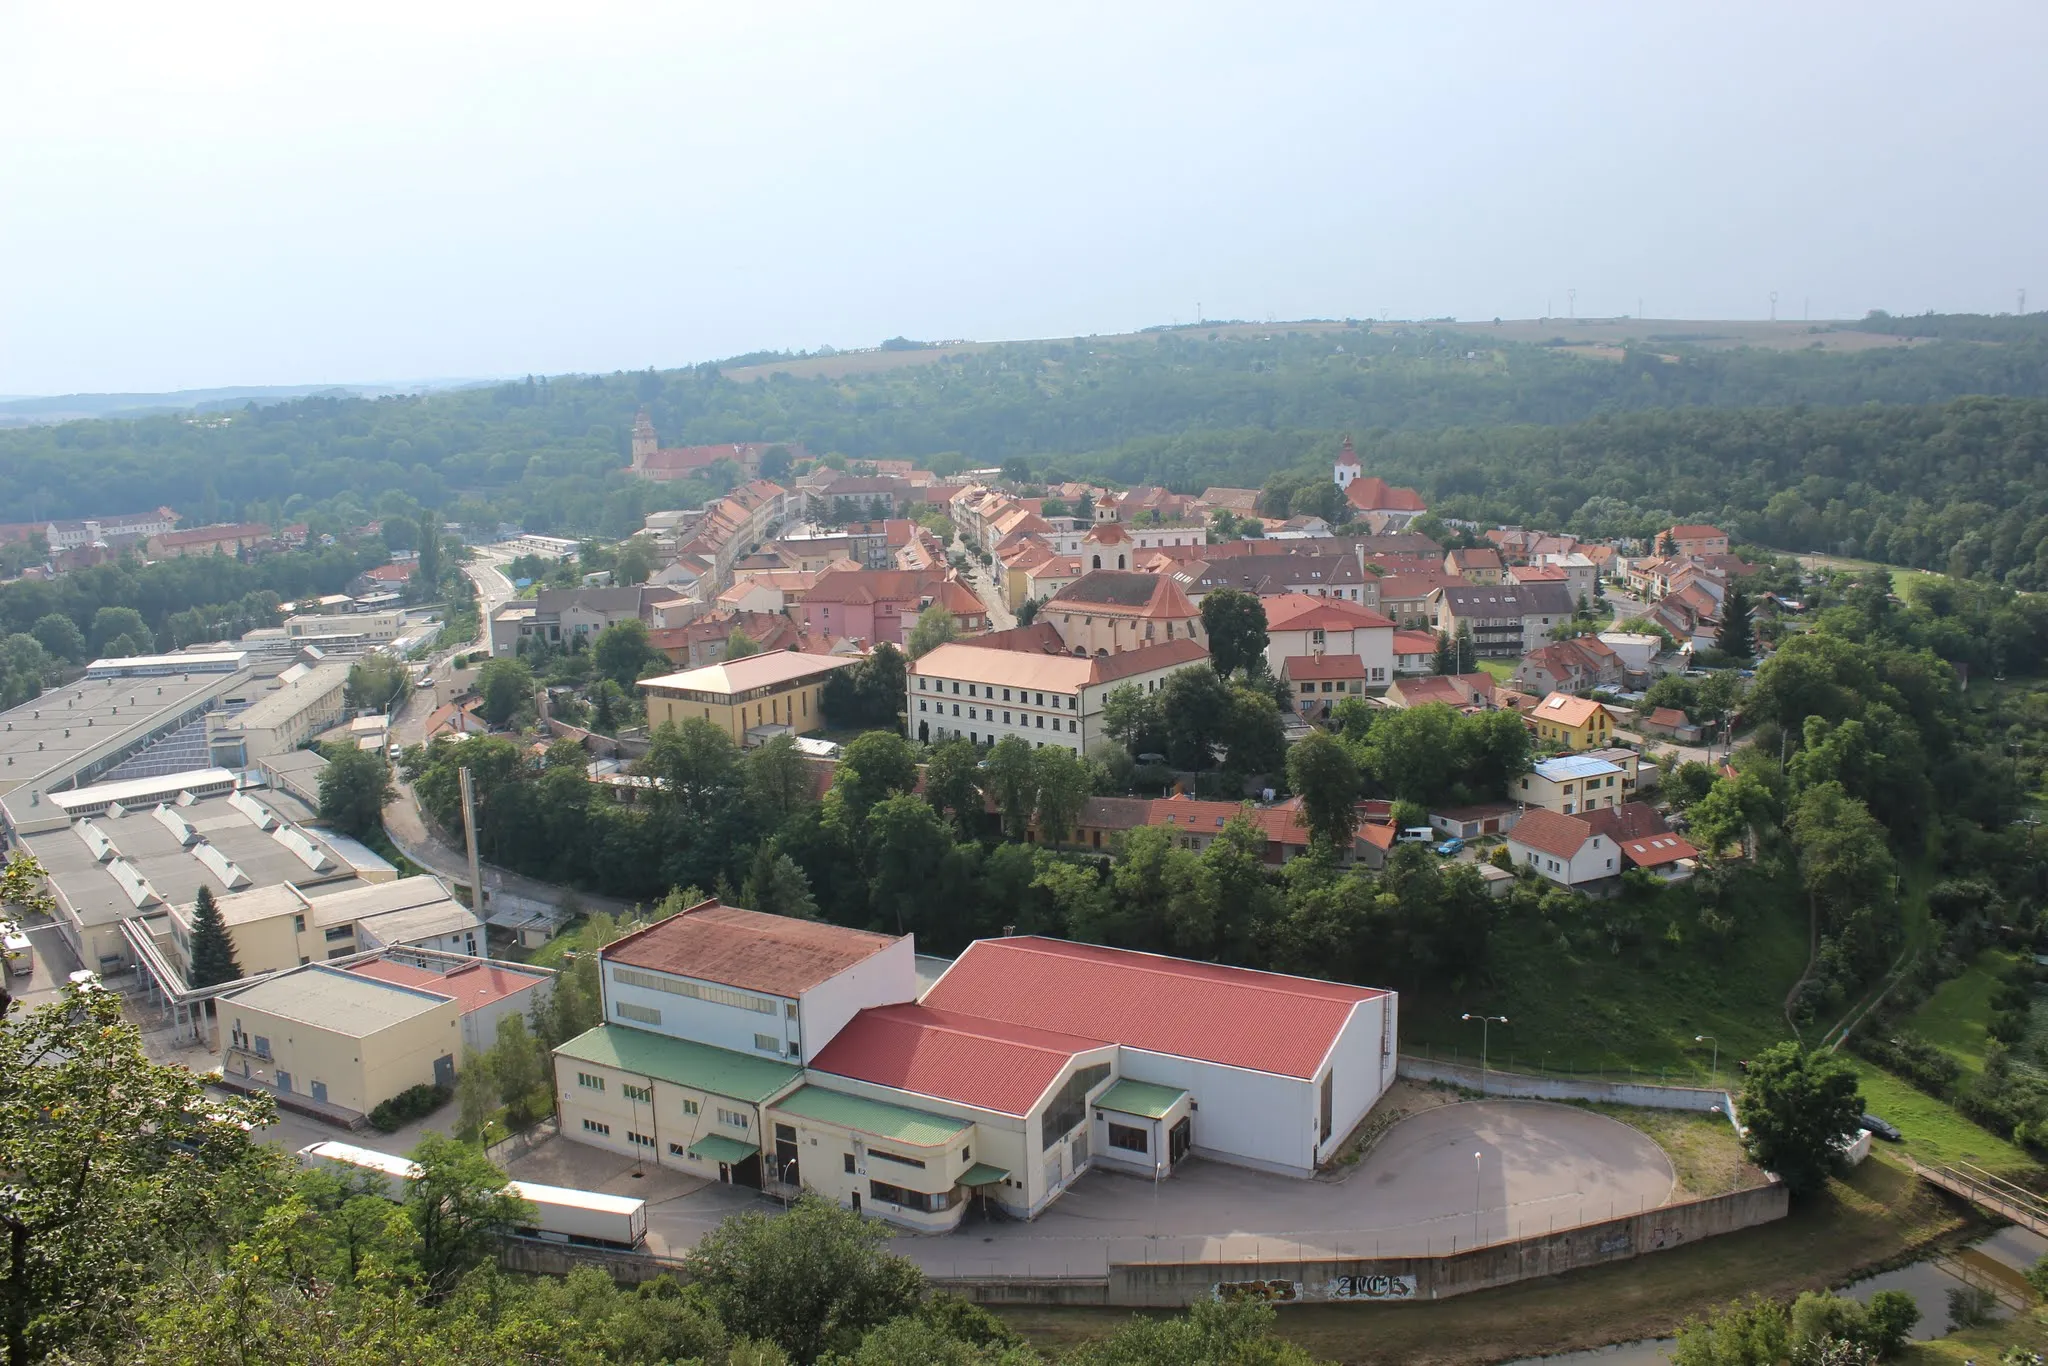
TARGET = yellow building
(780,688)
(1566,722)
(341,1039)
(281,926)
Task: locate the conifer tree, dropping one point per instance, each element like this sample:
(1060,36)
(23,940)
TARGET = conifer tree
(1737,636)
(213,953)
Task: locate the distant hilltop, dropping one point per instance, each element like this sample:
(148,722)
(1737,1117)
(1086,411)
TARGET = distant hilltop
(31,412)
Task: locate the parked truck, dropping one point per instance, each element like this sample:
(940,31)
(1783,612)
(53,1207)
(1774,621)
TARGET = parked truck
(560,1215)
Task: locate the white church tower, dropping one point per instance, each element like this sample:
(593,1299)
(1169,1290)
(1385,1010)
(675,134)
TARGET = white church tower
(1348,467)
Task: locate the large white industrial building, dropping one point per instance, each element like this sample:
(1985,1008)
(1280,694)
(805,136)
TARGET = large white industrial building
(788,1054)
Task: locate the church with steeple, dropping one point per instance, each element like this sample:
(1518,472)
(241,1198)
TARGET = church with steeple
(1374,501)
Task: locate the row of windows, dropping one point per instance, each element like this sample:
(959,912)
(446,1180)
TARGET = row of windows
(894,1157)
(988,690)
(643,1094)
(917,1200)
(639,1140)
(1129,1139)
(733,1119)
(768,1043)
(591,1126)
(653,981)
(1073,726)
(594,1083)
(626,1010)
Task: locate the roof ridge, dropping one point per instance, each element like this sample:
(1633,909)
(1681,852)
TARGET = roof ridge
(1159,971)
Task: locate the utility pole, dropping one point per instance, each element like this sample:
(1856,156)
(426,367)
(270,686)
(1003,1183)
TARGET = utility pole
(1571,303)
(476,882)
(1774,305)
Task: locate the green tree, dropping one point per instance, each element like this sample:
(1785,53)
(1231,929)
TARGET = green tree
(1134,718)
(520,1069)
(1737,636)
(1323,775)
(1756,1333)
(739,645)
(459,1207)
(375,681)
(813,1281)
(935,626)
(1797,1107)
(1196,708)
(97,1197)
(1013,783)
(506,686)
(1446,660)
(1235,624)
(777,779)
(213,953)
(1211,1333)
(1256,741)
(1467,650)
(637,559)
(623,652)
(952,783)
(873,766)
(111,623)
(354,789)
(1412,752)
(777,886)
(427,573)
(59,635)
(1028,610)
(1064,784)
(908,846)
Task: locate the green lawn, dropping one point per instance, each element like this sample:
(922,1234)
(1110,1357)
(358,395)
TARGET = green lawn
(1955,1017)
(1502,669)
(1587,1011)
(1935,1132)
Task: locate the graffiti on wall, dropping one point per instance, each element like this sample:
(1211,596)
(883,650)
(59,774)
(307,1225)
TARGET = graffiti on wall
(1277,1292)
(1371,1288)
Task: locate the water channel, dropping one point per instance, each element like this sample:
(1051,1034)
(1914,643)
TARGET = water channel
(1997,1263)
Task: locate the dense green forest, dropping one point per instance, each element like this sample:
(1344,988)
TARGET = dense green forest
(1499,430)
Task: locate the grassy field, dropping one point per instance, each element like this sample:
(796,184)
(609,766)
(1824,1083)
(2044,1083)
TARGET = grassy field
(1956,1016)
(1501,669)
(1935,1132)
(2028,1330)
(1704,1151)
(1573,1010)
(1878,1217)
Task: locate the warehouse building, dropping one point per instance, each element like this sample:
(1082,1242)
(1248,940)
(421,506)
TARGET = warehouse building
(300,703)
(791,1055)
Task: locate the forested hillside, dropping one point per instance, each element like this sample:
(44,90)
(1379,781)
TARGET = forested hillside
(1505,431)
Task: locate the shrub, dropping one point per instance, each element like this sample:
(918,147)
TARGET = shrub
(414,1102)
(1913,1058)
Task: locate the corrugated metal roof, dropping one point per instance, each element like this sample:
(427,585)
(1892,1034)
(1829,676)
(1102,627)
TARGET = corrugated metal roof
(698,1066)
(776,954)
(1144,1098)
(986,1063)
(897,1123)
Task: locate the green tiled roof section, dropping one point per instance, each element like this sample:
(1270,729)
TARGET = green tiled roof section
(982,1174)
(719,1071)
(897,1123)
(719,1148)
(1140,1098)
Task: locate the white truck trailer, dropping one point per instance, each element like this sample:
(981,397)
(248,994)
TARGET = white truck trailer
(560,1215)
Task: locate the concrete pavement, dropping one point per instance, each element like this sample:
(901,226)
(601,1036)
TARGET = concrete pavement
(981,579)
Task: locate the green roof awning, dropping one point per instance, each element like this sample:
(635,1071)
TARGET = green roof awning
(700,1067)
(719,1148)
(1141,1098)
(898,1123)
(981,1174)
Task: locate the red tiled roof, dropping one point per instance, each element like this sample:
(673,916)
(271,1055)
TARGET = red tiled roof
(1374,494)
(1306,612)
(747,949)
(1655,850)
(1414,642)
(1695,532)
(391,573)
(1307,667)
(967,1059)
(1629,821)
(1551,832)
(1234,1016)
(472,985)
(1667,716)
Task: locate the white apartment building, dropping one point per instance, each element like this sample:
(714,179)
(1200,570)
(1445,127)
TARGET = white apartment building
(987,693)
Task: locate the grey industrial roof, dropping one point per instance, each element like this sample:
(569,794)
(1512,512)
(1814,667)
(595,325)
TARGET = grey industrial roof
(309,689)
(145,843)
(339,1002)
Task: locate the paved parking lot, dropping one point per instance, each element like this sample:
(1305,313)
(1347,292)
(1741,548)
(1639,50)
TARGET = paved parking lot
(1539,1166)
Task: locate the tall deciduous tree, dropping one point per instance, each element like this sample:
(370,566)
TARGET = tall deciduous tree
(1013,782)
(428,573)
(952,783)
(1234,623)
(60,636)
(1195,706)
(1797,1107)
(459,1206)
(354,788)
(1322,774)
(739,645)
(505,685)
(1064,783)
(213,952)
(935,626)
(623,651)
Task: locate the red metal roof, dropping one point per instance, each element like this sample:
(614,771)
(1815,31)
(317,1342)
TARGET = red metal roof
(972,1061)
(1656,850)
(1303,668)
(473,985)
(1259,1020)
(776,954)
(1551,832)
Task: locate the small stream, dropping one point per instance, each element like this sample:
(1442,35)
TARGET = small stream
(1997,1262)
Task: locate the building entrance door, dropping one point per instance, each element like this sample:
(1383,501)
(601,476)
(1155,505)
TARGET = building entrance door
(1180,1140)
(444,1070)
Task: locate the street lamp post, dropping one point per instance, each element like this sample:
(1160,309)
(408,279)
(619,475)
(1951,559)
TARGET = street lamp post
(1486,1023)
(1478,1197)
(1709,1038)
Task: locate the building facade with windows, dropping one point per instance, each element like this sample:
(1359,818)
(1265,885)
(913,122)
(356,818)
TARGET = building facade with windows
(1029,1062)
(778,688)
(988,693)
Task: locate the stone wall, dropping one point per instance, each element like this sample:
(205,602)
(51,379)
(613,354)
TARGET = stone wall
(1525,1087)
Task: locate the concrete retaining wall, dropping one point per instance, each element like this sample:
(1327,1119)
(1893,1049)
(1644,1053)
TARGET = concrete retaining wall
(1393,1279)
(1526,1087)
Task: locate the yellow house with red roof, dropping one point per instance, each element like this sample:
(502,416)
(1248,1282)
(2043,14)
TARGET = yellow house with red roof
(1562,721)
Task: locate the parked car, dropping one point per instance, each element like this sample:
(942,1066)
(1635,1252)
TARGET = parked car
(1883,1130)
(1451,847)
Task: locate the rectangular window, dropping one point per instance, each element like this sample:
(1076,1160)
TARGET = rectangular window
(337,933)
(652,981)
(1129,1139)
(896,1157)
(921,706)
(591,1126)
(849,1162)
(1069,1106)
(589,1082)
(1006,718)
(639,1140)
(626,1010)
(956,688)
(262,1046)
(909,1199)
(689,1107)
(678,1150)
(643,1094)
(767,1043)
(733,1119)
(298,924)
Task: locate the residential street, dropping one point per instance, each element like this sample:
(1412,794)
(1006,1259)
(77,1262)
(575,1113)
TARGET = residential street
(981,580)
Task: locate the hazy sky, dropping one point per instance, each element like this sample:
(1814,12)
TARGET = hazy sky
(209,194)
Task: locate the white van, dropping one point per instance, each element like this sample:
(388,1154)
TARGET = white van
(18,953)
(1415,834)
